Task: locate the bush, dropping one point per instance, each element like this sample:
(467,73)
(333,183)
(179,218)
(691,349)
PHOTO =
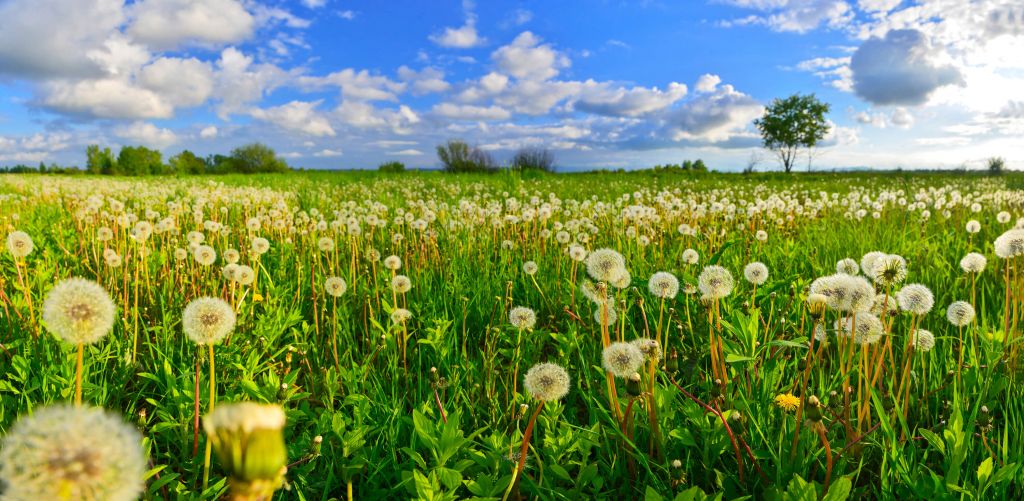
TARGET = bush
(996,165)
(534,159)
(457,156)
(393,166)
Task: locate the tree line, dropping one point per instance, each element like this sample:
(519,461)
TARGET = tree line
(142,161)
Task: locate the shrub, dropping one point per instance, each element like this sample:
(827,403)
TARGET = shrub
(392,166)
(457,156)
(996,165)
(534,159)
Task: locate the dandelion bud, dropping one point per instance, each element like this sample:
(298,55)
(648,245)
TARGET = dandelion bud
(282,392)
(672,364)
(633,385)
(522,410)
(434,376)
(314,448)
(249,443)
(813,409)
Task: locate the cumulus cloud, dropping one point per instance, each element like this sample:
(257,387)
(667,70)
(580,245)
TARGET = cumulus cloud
(106,98)
(632,102)
(363,115)
(901,68)
(181,82)
(707,83)
(168,24)
(328,153)
(208,132)
(426,81)
(146,134)
(296,116)
(33,148)
(463,37)
(793,15)
(239,81)
(470,112)
(714,117)
(527,58)
(356,85)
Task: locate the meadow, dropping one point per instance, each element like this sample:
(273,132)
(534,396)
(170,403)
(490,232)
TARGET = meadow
(513,336)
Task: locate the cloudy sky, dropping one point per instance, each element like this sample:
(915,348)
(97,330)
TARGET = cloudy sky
(350,83)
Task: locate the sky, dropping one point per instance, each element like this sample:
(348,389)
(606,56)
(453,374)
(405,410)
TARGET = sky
(333,84)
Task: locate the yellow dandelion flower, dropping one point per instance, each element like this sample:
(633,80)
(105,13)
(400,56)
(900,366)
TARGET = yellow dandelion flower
(787,402)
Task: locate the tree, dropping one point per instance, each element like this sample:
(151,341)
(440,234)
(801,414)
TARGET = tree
(256,157)
(996,165)
(99,161)
(140,161)
(393,166)
(790,124)
(534,159)
(457,156)
(187,162)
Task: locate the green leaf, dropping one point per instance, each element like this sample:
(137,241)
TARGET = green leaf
(651,495)
(934,440)
(732,358)
(839,490)
(984,470)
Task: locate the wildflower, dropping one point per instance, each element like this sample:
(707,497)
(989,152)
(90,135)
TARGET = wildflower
(973,263)
(755,273)
(869,328)
(70,453)
(1003,217)
(663,285)
(401,284)
(605,265)
(79,311)
(787,402)
(400,315)
(622,359)
(915,299)
(924,340)
(180,254)
(761,236)
(577,253)
(885,304)
(260,246)
(335,286)
(522,318)
(207,320)
(1010,244)
(249,443)
(816,304)
(547,382)
(690,256)
(715,282)
(530,268)
(393,262)
(889,270)
(325,244)
(204,255)
(245,275)
(231,256)
(960,313)
(973,226)
(229,271)
(19,244)
(867,261)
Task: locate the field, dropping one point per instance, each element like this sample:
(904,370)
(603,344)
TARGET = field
(411,376)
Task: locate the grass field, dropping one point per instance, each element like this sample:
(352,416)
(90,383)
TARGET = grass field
(408,380)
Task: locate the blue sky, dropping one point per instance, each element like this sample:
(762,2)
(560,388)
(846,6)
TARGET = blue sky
(349,84)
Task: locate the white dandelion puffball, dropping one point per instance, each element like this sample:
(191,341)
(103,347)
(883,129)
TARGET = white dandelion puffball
(622,359)
(79,311)
(755,273)
(325,244)
(960,313)
(715,282)
(605,265)
(690,256)
(1003,217)
(593,292)
(393,262)
(522,318)
(259,246)
(608,317)
(401,284)
(400,316)
(229,271)
(847,267)
(889,269)
(180,254)
(973,226)
(915,299)
(973,263)
(1010,244)
(869,328)
(761,236)
(867,262)
(663,285)
(530,268)
(649,347)
(245,275)
(207,320)
(622,280)
(577,253)
(204,255)
(335,286)
(231,256)
(924,340)
(62,452)
(547,382)
(19,244)
(885,305)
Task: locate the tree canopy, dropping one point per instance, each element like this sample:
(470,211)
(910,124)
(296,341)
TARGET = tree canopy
(791,124)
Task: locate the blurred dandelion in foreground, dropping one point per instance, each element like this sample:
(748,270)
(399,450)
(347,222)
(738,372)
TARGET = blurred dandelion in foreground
(547,382)
(72,453)
(1010,244)
(248,440)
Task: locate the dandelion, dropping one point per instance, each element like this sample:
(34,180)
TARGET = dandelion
(973,226)
(622,359)
(924,340)
(19,244)
(847,266)
(1003,217)
(663,285)
(207,320)
(973,263)
(650,348)
(761,236)
(787,402)
(401,284)
(522,318)
(869,328)
(756,273)
(885,305)
(867,262)
(325,244)
(606,265)
(204,255)
(609,318)
(72,453)
(577,253)
(547,382)
(400,316)
(231,256)
(335,286)
(79,311)
(1010,244)
(245,275)
(960,313)
(889,270)
(259,246)
(915,299)
(393,262)
(180,254)
(715,282)
(250,445)
(690,256)
(530,268)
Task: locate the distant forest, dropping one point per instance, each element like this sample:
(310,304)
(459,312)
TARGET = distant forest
(142,161)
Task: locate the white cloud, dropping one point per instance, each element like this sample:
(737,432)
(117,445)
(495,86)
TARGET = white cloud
(632,102)
(463,37)
(798,16)
(406,153)
(470,112)
(714,117)
(314,4)
(328,153)
(169,24)
(33,148)
(147,134)
(356,85)
(347,14)
(707,83)
(240,82)
(363,115)
(526,58)
(208,132)
(517,17)
(107,98)
(902,68)
(296,116)
(181,82)
(425,81)
(879,6)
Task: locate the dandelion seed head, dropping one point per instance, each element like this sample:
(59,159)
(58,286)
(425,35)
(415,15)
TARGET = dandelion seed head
(960,313)
(715,282)
(973,263)
(577,253)
(400,315)
(207,320)
(231,256)
(889,270)
(915,299)
(755,273)
(393,262)
(547,382)
(622,359)
(522,318)
(1010,244)
(245,275)
(973,226)
(847,266)
(608,317)
(869,328)
(867,261)
(649,347)
(605,265)
(204,255)
(530,268)
(924,340)
(663,285)
(259,246)
(335,286)
(690,256)
(79,311)
(401,284)
(325,244)
(19,244)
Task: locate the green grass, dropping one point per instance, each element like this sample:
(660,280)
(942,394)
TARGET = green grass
(382,428)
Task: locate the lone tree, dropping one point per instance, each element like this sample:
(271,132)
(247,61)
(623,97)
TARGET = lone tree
(793,123)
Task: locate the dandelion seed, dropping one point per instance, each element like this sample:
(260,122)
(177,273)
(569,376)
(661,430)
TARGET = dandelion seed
(622,359)
(577,253)
(400,316)
(207,320)
(924,340)
(335,286)
(847,266)
(690,256)
(547,382)
(401,284)
(1010,244)
(72,453)
(245,275)
(663,285)
(79,311)
(973,226)
(530,268)
(522,318)
(393,263)
(259,246)
(889,270)
(204,255)
(649,347)
(610,316)
(606,265)
(867,262)
(973,263)
(325,244)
